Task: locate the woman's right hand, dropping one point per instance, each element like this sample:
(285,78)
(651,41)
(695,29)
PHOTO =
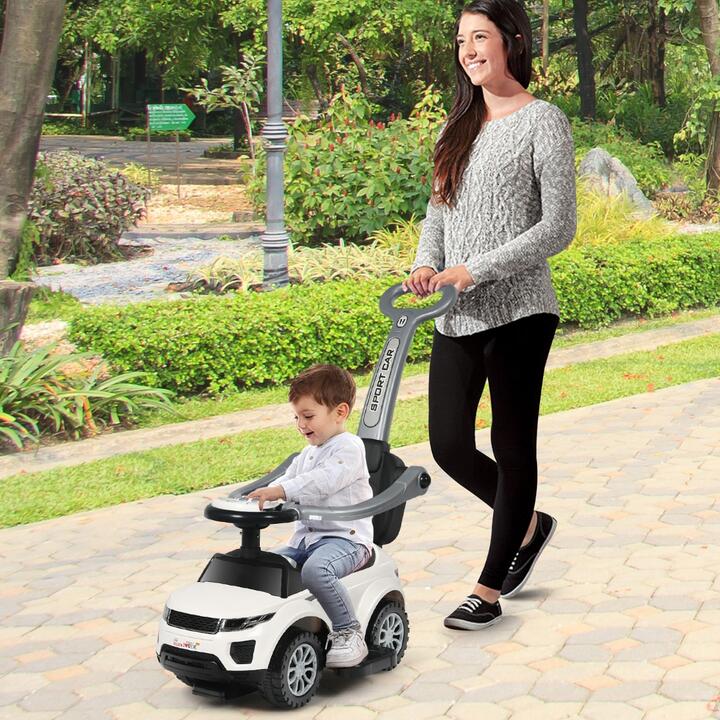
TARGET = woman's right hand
(418,281)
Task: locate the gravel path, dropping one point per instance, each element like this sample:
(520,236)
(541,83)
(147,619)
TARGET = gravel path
(144,278)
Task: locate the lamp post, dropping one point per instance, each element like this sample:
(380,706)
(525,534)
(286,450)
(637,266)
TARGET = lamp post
(275,239)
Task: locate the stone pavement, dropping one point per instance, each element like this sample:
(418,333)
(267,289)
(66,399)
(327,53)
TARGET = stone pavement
(620,621)
(74,453)
(194,168)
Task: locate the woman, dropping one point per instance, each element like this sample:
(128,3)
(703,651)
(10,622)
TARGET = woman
(503,202)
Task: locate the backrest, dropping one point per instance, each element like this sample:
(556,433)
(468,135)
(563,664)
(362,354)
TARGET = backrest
(384,468)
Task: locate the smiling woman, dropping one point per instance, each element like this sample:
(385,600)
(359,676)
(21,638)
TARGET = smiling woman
(503,202)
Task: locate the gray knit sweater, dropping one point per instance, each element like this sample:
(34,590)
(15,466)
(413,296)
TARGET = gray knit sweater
(515,207)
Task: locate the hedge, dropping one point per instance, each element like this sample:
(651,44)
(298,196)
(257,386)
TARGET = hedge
(212,343)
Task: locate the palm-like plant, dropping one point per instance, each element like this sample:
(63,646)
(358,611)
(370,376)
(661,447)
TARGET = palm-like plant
(38,398)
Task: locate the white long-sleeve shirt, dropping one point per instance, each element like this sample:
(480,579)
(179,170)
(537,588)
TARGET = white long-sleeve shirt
(332,474)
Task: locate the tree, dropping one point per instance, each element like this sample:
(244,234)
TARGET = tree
(583,47)
(27,63)
(240,89)
(710,27)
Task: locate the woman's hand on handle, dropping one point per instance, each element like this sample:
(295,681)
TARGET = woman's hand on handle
(418,282)
(458,275)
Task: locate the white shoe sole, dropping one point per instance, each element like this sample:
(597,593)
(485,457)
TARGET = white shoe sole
(529,573)
(347,663)
(467,625)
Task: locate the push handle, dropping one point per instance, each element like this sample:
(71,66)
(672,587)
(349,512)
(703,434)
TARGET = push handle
(388,298)
(380,400)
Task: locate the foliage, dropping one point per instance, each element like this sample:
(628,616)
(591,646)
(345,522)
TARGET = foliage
(216,343)
(141,175)
(49,304)
(73,127)
(347,176)
(179,37)
(140,133)
(610,220)
(638,114)
(81,207)
(38,398)
(239,89)
(29,240)
(329,262)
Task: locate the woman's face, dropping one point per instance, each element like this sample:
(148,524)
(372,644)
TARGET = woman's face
(481,50)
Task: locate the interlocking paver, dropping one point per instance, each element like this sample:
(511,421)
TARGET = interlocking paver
(621,619)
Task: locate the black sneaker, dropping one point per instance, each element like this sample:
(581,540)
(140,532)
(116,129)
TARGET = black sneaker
(526,557)
(474,614)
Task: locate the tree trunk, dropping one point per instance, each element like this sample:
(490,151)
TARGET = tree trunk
(584,59)
(358,64)
(27,64)
(656,51)
(710,27)
(14,300)
(545,32)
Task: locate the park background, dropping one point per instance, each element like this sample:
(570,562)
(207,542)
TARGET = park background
(145,355)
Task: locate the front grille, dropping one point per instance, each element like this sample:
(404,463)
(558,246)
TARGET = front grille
(242,652)
(193,622)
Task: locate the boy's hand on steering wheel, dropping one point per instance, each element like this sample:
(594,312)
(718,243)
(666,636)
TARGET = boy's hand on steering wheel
(267,494)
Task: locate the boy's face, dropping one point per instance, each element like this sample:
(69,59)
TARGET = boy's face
(318,423)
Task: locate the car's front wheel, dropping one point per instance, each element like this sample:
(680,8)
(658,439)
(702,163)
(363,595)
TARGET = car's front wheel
(294,673)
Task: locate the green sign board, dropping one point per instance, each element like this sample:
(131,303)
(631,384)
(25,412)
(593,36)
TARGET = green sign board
(169,117)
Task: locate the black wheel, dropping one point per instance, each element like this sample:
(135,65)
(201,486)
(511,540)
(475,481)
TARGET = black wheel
(389,628)
(294,673)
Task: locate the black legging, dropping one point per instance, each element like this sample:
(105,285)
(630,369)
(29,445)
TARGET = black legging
(512,358)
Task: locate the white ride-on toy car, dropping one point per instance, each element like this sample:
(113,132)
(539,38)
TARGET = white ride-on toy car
(248,623)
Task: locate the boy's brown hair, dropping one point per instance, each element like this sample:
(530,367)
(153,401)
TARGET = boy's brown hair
(328,385)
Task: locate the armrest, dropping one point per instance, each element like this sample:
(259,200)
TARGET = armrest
(413,482)
(265,480)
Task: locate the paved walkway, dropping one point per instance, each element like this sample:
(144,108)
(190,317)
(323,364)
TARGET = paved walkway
(194,168)
(75,453)
(620,621)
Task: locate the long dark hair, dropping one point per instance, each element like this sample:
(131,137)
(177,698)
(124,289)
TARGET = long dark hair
(468,110)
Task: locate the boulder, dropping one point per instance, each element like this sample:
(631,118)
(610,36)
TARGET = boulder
(608,175)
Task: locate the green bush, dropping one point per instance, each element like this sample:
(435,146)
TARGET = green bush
(140,133)
(214,343)
(81,207)
(347,176)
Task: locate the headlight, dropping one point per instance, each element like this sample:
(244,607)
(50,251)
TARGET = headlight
(244,623)
(166,613)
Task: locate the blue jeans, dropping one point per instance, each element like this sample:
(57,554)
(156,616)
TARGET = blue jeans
(322,564)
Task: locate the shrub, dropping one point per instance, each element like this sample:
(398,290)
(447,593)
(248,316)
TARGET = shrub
(329,262)
(140,175)
(140,133)
(81,207)
(38,398)
(214,343)
(347,175)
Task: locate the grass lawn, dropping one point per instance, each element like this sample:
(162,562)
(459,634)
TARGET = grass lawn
(203,407)
(195,466)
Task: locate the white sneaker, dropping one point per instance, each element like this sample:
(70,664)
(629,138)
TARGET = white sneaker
(348,649)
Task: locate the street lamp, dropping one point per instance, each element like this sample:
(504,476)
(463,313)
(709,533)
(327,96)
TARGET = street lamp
(275,239)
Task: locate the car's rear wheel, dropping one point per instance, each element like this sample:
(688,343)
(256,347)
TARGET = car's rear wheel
(389,629)
(294,673)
